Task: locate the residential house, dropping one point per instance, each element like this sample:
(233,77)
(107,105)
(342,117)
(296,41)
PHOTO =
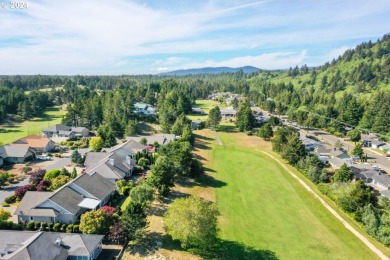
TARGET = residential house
(143,108)
(65,131)
(310,144)
(130,147)
(195,124)
(381,180)
(113,166)
(366,175)
(161,139)
(16,154)
(32,245)
(376,144)
(198,110)
(40,144)
(229,112)
(66,204)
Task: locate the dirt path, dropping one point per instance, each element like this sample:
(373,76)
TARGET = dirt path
(217,137)
(331,210)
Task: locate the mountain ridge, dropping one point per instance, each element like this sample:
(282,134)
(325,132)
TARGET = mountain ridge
(211,70)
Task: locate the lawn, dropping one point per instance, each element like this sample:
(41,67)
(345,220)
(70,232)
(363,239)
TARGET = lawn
(263,207)
(206,105)
(52,116)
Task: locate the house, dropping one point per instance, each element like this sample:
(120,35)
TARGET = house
(66,204)
(310,144)
(376,144)
(32,245)
(129,147)
(113,166)
(68,132)
(143,108)
(336,162)
(196,123)
(366,175)
(381,180)
(229,112)
(1,161)
(16,154)
(323,151)
(40,144)
(385,193)
(198,110)
(161,139)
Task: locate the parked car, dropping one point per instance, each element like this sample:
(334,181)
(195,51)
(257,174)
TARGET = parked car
(43,157)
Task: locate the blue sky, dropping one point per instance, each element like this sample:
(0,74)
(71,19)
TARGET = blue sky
(153,36)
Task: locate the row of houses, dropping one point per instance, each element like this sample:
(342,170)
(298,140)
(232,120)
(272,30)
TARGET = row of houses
(32,245)
(144,109)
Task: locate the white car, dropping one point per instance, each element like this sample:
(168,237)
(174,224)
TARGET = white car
(43,157)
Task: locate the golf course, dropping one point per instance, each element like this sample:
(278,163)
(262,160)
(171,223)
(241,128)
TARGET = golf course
(264,208)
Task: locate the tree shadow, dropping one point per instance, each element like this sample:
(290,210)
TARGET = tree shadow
(201,137)
(202,146)
(227,128)
(206,180)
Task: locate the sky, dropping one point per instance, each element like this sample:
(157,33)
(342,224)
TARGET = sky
(152,36)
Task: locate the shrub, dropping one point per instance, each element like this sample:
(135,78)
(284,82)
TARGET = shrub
(17,226)
(26,169)
(69,228)
(5,204)
(6,224)
(56,227)
(76,228)
(30,225)
(50,226)
(43,225)
(63,227)
(37,225)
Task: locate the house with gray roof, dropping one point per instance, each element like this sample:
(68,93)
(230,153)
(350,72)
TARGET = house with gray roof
(69,132)
(145,109)
(198,110)
(381,180)
(129,147)
(229,112)
(112,166)
(161,139)
(32,245)
(16,154)
(66,204)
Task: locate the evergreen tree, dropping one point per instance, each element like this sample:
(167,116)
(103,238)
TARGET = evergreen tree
(214,117)
(344,174)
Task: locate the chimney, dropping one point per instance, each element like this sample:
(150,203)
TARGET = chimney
(128,159)
(58,242)
(111,161)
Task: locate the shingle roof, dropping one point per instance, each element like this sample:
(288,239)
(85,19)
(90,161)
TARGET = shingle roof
(13,151)
(78,129)
(95,184)
(382,179)
(161,139)
(33,141)
(95,157)
(57,128)
(68,199)
(30,200)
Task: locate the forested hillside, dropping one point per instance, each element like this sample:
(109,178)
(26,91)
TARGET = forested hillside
(352,90)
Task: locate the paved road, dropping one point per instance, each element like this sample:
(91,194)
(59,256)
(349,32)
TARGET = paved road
(64,161)
(332,211)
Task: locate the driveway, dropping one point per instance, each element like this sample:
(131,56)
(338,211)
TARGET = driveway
(10,189)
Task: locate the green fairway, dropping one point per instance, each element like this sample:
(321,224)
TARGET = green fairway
(52,116)
(263,207)
(206,105)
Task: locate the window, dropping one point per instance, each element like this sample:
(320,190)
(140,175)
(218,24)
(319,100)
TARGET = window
(31,218)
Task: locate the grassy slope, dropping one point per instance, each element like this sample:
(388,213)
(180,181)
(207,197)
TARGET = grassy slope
(206,105)
(52,116)
(262,206)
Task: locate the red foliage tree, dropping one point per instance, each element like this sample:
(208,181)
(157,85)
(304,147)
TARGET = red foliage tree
(108,210)
(20,192)
(37,176)
(117,234)
(44,185)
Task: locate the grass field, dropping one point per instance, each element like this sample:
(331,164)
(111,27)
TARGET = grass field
(263,207)
(15,131)
(206,105)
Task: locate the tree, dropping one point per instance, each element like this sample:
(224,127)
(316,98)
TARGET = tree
(131,128)
(214,117)
(354,135)
(74,173)
(117,233)
(370,219)
(143,162)
(76,157)
(3,178)
(20,192)
(59,181)
(143,141)
(96,143)
(44,185)
(338,144)
(162,176)
(344,174)
(294,150)
(108,210)
(134,221)
(192,221)
(37,176)
(142,194)
(180,154)
(54,173)
(266,132)
(358,150)
(94,222)
(4,215)
(245,120)
(187,135)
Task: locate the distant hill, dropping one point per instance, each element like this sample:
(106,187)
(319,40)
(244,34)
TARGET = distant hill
(211,70)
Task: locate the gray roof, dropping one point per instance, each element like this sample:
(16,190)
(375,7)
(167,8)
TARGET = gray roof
(41,245)
(57,128)
(95,157)
(64,132)
(30,200)
(68,199)
(104,167)
(322,149)
(106,170)
(382,179)
(161,139)
(129,147)
(228,111)
(95,184)
(13,151)
(385,193)
(377,142)
(78,129)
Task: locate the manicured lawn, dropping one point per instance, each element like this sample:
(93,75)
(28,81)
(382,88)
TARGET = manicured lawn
(206,105)
(263,207)
(52,116)
(124,203)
